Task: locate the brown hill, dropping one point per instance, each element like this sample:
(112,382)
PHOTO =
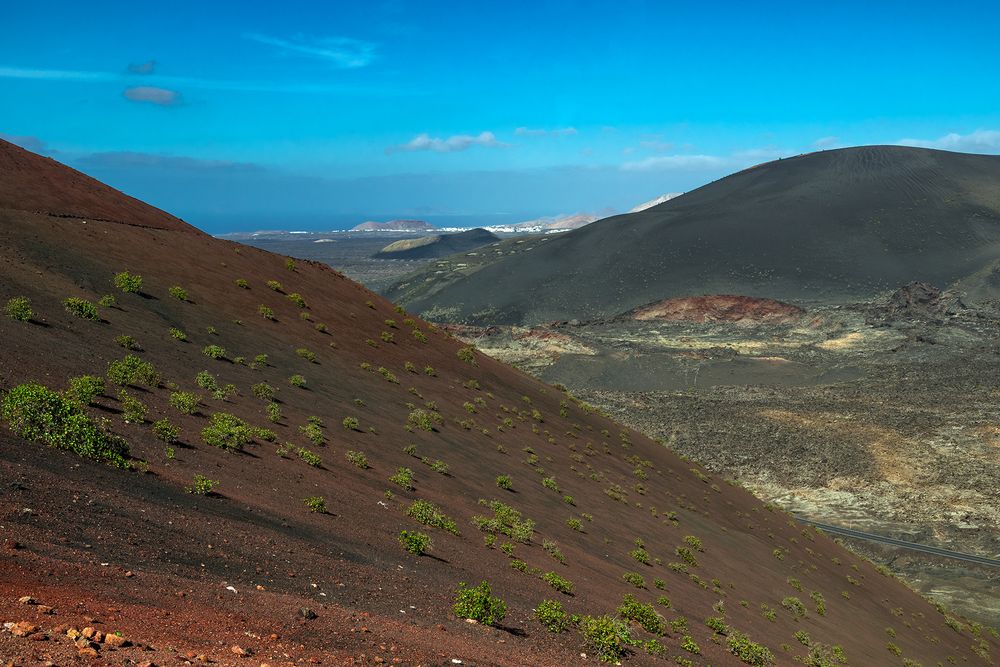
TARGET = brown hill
(719,308)
(196,578)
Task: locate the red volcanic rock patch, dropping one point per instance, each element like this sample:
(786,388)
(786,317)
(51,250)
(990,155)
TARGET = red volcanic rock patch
(720,308)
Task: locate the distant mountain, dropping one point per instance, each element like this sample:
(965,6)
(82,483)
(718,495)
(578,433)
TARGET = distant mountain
(440,245)
(553,223)
(655,202)
(394,226)
(833,226)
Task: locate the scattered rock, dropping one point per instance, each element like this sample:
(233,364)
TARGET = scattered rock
(88,632)
(239,650)
(307,613)
(88,652)
(45,609)
(83,642)
(23,629)
(73,633)
(27,599)
(115,641)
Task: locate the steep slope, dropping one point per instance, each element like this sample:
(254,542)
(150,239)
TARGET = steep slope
(829,226)
(246,568)
(439,245)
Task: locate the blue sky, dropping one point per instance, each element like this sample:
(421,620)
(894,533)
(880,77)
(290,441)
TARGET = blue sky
(248,115)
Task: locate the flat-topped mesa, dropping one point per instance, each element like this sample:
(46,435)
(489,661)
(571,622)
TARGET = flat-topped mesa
(37,184)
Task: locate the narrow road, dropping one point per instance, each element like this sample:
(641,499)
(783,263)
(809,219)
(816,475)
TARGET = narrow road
(848,532)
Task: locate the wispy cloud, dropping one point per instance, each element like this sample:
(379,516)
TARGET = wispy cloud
(824,143)
(178,82)
(558,132)
(33,144)
(979,141)
(656,145)
(147,67)
(457,142)
(673,162)
(132,160)
(151,94)
(343,52)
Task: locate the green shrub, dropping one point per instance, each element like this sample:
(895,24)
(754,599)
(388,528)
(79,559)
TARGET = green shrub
(430,514)
(19,308)
(185,402)
(423,419)
(214,351)
(505,520)
(309,457)
(817,598)
(132,370)
(178,293)
(107,301)
(357,458)
(177,334)
(227,432)
(316,504)
(641,555)
(718,624)
(403,478)
(242,284)
(519,565)
(550,483)
(550,614)
(266,312)
(559,583)
(306,354)
(260,360)
(314,432)
(688,644)
(479,604)
(504,482)
(643,614)
(263,391)
(133,410)
(290,264)
(794,605)
(128,283)
(351,423)
(297,299)
(206,380)
(415,542)
(275,285)
(552,549)
(467,354)
(606,636)
(37,413)
(81,308)
(273,413)
(635,579)
(165,431)
(202,485)
(297,381)
(85,388)
(575,524)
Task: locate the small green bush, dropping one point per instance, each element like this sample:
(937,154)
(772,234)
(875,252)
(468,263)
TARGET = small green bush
(85,388)
(635,579)
(227,432)
(794,605)
(214,351)
(504,482)
(309,457)
(423,419)
(314,432)
(607,636)
(430,514)
(36,413)
(128,283)
(358,459)
(178,293)
(306,354)
(133,410)
(505,520)
(275,285)
(177,334)
(242,284)
(403,478)
(297,381)
(479,604)
(201,485)
(351,423)
(19,308)
(273,413)
(107,301)
(643,614)
(550,614)
(263,391)
(316,504)
(468,355)
(266,313)
(165,431)
(297,299)
(185,402)
(81,308)
(559,583)
(132,370)
(415,542)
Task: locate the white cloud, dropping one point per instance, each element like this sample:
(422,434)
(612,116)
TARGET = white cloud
(656,145)
(824,143)
(457,142)
(343,52)
(153,95)
(532,132)
(980,141)
(670,162)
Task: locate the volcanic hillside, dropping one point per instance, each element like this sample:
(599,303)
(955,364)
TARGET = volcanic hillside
(315,394)
(831,226)
(439,245)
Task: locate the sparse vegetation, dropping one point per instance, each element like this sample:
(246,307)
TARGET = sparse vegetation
(430,514)
(201,485)
(607,636)
(550,614)
(403,478)
(643,614)
(415,542)
(165,431)
(132,370)
(316,504)
(85,388)
(128,282)
(185,402)
(559,583)
(81,308)
(178,293)
(133,410)
(18,308)
(358,459)
(227,432)
(479,604)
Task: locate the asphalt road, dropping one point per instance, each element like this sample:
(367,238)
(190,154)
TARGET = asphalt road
(944,553)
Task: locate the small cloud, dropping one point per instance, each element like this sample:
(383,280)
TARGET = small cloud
(343,52)
(153,95)
(656,146)
(669,162)
(147,67)
(458,142)
(980,141)
(33,144)
(824,143)
(134,160)
(558,132)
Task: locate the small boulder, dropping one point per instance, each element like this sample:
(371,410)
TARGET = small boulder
(115,641)
(23,629)
(239,650)
(27,599)
(307,613)
(88,652)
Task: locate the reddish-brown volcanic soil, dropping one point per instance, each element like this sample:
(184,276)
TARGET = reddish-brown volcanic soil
(233,569)
(720,308)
